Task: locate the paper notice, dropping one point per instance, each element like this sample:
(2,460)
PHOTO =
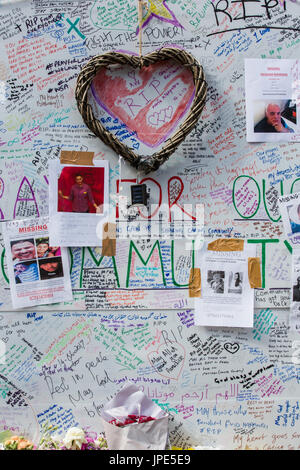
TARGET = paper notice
(226,295)
(38,272)
(272,98)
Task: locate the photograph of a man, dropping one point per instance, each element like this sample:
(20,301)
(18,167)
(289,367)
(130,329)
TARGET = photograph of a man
(215,281)
(273,121)
(23,250)
(26,272)
(81,190)
(80,195)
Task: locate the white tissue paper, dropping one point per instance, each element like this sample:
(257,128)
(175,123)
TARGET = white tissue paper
(151,435)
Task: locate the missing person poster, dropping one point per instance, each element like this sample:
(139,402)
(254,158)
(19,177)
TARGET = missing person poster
(38,271)
(289,206)
(272,99)
(226,296)
(294,322)
(78,203)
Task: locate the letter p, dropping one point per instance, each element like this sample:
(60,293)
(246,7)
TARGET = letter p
(269,4)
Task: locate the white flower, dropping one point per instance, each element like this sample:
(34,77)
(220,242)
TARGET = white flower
(74,439)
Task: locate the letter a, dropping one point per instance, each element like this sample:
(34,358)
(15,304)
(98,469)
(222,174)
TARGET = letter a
(26,197)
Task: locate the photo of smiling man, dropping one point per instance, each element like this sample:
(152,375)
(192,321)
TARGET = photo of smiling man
(81,190)
(23,250)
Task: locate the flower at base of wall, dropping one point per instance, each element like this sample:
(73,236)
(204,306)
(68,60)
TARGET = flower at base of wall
(101,442)
(18,443)
(74,439)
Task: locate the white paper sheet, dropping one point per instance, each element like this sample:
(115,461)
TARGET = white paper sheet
(272,99)
(294,321)
(38,272)
(289,206)
(226,296)
(70,226)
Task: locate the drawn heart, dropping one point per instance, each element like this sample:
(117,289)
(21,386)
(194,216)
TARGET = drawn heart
(168,360)
(232,348)
(165,88)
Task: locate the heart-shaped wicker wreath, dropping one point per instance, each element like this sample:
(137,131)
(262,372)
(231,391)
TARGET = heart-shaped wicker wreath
(144,163)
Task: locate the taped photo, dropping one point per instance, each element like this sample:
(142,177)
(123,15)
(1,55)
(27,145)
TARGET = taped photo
(78,198)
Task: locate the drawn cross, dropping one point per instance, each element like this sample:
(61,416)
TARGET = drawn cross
(73,26)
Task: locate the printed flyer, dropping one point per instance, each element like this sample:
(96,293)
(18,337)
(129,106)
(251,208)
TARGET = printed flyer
(289,206)
(294,322)
(272,98)
(38,272)
(226,296)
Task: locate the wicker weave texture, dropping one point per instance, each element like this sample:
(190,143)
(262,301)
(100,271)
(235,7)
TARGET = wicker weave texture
(144,163)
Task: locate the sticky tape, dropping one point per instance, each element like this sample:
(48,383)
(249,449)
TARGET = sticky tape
(226,244)
(254,273)
(76,158)
(195,282)
(109,241)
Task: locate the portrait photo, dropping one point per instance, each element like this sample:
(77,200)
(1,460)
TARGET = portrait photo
(215,281)
(44,250)
(23,250)
(78,203)
(50,268)
(274,116)
(293,211)
(27,271)
(81,189)
(235,282)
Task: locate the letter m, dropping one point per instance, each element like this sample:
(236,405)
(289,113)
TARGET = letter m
(131,247)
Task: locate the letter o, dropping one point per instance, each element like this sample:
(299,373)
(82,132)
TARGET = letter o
(233,196)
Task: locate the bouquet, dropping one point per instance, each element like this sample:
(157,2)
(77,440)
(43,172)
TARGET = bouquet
(133,421)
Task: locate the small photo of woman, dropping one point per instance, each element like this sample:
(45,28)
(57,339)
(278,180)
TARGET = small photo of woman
(235,283)
(51,268)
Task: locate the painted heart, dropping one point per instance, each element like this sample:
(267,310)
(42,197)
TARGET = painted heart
(158,98)
(168,360)
(158,119)
(232,348)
